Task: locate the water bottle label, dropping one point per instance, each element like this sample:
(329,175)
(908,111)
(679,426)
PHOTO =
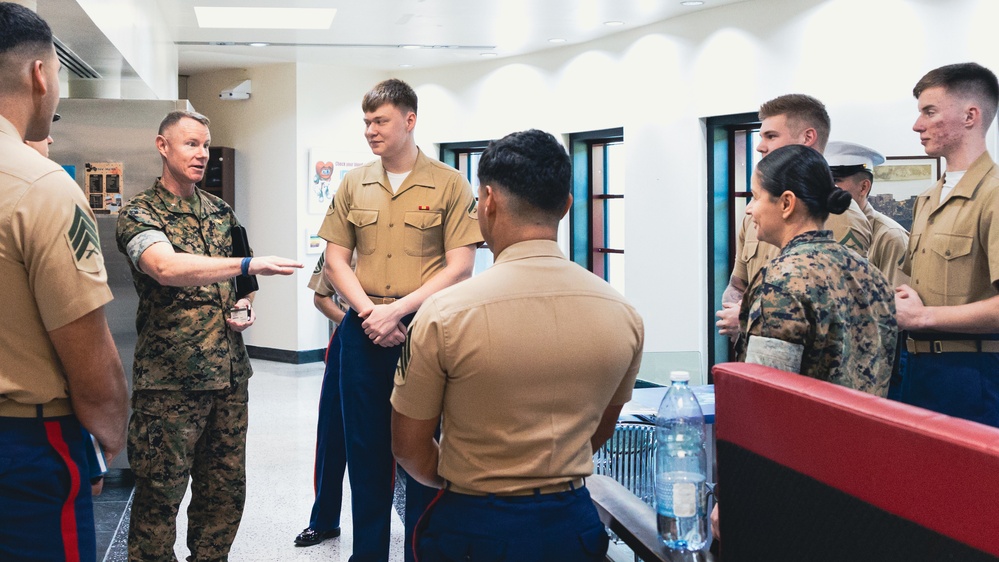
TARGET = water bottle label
(684,499)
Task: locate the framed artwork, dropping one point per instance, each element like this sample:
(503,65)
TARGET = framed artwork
(899,181)
(326,170)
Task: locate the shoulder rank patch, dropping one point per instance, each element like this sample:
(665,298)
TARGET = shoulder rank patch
(84,242)
(332,207)
(319,265)
(851,241)
(473,210)
(403,366)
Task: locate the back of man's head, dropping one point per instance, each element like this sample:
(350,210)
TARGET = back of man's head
(393,91)
(801,112)
(966,80)
(533,167)
(23,36)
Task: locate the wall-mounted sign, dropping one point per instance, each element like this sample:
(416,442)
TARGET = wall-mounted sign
(103,185)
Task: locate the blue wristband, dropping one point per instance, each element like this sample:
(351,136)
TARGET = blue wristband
(245,266)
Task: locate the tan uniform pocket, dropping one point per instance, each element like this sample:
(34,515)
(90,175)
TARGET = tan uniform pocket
(953,275)
(365,223)
(424,233)
(951,246)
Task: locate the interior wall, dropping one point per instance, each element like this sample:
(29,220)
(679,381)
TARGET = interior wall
(330,123)
(262,129)
(659,82)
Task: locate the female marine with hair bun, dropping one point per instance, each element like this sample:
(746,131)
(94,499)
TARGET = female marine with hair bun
(818,308)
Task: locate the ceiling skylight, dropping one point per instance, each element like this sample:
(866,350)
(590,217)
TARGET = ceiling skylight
(264,18)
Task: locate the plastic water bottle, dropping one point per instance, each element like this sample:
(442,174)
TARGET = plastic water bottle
(681,468)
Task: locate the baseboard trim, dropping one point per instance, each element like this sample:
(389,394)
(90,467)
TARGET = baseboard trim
(286,356)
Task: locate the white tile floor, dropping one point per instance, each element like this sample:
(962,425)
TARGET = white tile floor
(280,454)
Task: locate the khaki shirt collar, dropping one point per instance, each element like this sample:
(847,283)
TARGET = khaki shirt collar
(530,249)
(869,211)
(421,175)
(179,205)
(8,128)
(973,177)
(966,187)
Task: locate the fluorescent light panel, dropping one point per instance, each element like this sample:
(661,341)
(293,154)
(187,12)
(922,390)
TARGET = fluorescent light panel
(264,18)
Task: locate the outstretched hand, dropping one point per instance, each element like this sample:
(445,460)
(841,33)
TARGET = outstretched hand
(273,265)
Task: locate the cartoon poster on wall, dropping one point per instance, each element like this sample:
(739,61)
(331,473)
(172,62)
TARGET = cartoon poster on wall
(326,170)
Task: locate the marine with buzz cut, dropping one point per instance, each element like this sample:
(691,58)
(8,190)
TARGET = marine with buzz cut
(951,305)
(60,373)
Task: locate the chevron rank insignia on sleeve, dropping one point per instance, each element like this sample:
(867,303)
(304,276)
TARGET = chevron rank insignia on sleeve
(84,242)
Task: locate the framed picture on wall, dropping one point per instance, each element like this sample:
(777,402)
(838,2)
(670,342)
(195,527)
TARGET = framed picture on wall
(899,181)
(326,170)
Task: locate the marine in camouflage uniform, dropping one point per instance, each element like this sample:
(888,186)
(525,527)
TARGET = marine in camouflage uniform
(189,385)
(834,303)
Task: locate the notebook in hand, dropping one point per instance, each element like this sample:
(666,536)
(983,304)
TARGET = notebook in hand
(245,284)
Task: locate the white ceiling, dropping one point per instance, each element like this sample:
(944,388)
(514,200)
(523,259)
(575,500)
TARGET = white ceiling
(368,33)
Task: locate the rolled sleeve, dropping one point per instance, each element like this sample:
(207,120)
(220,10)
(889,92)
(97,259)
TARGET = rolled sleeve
(141,242)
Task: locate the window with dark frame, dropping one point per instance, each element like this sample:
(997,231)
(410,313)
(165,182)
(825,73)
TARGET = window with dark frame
(464,157)
(597,216)
(731,159)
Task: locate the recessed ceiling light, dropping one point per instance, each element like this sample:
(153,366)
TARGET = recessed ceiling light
(405,66)
(556,40)
(613,23)
(258,44)
(264,18)
(692,3)
(409,47)
(487,54)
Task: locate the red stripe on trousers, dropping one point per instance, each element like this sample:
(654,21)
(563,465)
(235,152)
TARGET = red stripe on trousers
(67,519)
(420,523)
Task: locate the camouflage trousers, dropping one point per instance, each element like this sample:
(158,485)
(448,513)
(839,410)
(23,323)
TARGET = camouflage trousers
(174,436)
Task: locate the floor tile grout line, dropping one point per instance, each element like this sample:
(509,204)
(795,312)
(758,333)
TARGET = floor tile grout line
(117,529)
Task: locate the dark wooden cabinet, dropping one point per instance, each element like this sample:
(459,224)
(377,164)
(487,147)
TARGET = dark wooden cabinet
(220,174)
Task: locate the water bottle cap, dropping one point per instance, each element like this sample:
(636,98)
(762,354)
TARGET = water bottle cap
(679,376)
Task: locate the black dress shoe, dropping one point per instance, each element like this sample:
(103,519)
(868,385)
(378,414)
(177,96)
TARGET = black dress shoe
(310,536)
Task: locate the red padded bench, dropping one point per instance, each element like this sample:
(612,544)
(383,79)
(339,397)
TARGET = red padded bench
(811,471)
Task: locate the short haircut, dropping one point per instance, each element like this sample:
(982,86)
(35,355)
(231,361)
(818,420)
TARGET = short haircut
(174,117)
(22,28)
(804,172)
(533,167)
(393,91)
(802,112)
(966,80)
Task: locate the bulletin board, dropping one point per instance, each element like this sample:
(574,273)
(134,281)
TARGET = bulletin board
(103,186)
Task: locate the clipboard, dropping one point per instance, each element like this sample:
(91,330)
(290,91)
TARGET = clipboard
(245,284)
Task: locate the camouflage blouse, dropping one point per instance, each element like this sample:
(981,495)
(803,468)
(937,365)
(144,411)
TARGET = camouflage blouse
(184,342)
(827,298)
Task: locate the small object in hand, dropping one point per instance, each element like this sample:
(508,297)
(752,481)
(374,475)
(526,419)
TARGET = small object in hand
(239,314)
